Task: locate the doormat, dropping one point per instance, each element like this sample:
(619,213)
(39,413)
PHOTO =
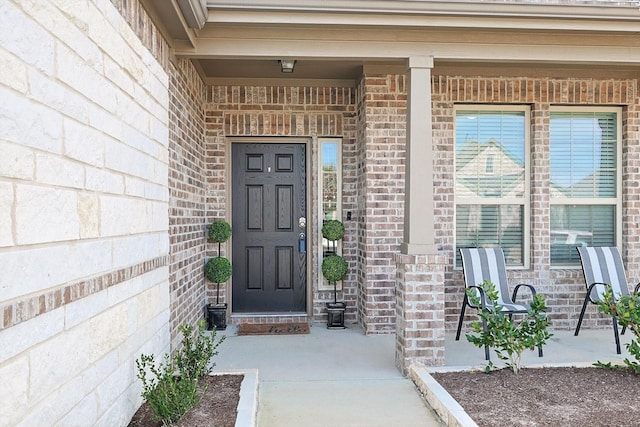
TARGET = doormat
(273,328)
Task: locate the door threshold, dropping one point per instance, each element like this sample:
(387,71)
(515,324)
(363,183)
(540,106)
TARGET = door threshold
(287,317)
(269,314)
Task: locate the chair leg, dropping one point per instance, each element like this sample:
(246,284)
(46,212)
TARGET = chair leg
(464,305)
(615,333)
(487,356)
(584,308)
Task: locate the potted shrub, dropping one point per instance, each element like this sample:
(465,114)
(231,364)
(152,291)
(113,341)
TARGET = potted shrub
(334,269)
(218,270)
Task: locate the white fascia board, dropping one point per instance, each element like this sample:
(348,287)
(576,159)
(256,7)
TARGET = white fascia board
(357,50)
(597,11)
(412,21)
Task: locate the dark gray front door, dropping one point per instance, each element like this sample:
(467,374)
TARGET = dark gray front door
(269,200)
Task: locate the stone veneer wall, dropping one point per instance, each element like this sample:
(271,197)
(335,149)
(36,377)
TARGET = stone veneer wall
(264,111)
(83,230)
(381,155)
(563,288)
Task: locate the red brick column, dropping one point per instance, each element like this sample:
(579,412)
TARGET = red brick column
(419,310)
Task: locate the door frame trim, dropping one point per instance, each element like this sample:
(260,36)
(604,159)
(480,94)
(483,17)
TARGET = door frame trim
(311,207)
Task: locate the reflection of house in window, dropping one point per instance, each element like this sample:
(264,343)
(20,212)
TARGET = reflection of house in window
(489,164)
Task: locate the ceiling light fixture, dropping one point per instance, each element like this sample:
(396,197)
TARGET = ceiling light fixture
(286,65)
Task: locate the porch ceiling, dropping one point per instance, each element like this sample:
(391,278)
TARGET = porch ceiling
(338,40)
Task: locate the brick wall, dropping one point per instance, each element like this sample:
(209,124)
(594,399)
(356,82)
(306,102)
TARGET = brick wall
(564,288)
(187,198)
(264,111)
(381,155)
(83,186)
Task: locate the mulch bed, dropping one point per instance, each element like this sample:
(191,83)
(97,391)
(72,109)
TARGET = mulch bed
(559,397)
(273,328)
(217,408)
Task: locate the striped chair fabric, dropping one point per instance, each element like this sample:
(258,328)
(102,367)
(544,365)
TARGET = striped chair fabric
(602,267)
(479,264)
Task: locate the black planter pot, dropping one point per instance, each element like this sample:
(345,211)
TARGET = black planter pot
(217,317)
(335,315)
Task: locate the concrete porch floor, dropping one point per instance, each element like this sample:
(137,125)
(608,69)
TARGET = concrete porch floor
(345,378)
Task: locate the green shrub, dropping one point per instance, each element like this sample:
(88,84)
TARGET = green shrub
(627,311)
(219,231)
(334,268)
(218,269)
(172,388)
(333,229)
(508,337)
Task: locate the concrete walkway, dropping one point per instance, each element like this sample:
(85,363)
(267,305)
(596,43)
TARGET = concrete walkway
(327,378)
(344,378)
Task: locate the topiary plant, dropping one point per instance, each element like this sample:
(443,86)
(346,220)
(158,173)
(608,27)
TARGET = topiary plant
(219,231)
(218,270)
(333,230)
(334,268)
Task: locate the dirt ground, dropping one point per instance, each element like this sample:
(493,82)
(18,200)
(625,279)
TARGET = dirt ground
(217,407)
(562,397)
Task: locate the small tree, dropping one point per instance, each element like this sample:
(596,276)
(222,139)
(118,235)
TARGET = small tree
(334,266)
(334,269)
(627,311)
(508,338)
(218,269)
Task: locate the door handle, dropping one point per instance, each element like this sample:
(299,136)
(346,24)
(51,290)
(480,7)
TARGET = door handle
(302,222)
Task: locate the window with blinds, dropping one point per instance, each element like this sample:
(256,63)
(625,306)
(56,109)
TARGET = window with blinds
(584,179)
(492,180)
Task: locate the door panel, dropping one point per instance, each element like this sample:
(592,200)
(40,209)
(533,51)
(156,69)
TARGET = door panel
(268,198)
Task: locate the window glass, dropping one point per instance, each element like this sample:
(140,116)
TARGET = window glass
(492,180)
(584,182)
(330,199)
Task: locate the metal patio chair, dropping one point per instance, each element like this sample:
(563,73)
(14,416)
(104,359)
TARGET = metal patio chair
(602,267)
(479,264)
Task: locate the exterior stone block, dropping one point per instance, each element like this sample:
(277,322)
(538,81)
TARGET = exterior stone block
(84,309)
(6,219)
(16,162)
(83,143)
(109,330)
(103,181)
(36,208)
(13,389)
(20,338)
(89,215)
(123,216)
(136,249)
(71,347)
(59,171)
(14,74)
(84,413)
(21,42)
(17,124)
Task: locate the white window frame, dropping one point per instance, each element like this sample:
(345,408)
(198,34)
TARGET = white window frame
(525,201)
(611,201)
